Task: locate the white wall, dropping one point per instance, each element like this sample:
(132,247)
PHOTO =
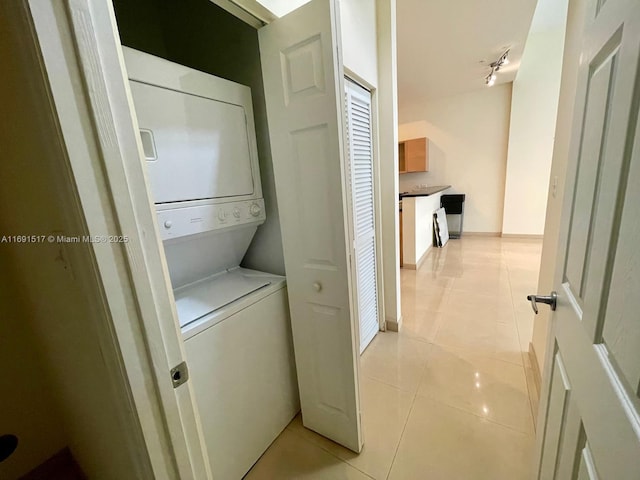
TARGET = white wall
(468,150)
(534,108)
(387,97)
(359,43)
(417,227)
(573,42)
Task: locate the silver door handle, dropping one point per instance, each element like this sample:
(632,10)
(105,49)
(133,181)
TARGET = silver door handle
(551,300)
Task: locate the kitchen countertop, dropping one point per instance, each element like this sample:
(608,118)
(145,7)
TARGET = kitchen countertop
(425,192)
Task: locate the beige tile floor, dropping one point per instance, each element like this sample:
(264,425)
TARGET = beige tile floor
(450,396)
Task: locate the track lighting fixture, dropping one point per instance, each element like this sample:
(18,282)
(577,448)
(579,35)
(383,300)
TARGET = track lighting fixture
(490,79)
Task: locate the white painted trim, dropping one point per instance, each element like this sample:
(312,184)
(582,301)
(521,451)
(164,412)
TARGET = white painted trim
(393,325)
(355,78)
(256,10)
(239,13)
(387,105)
(481,234)
(351,75)
(411,266)
(533,359)
(522,236)
(84,65)
(249,11)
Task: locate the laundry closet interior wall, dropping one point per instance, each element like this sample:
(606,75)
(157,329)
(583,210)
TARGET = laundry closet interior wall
(201,35)
(50,315)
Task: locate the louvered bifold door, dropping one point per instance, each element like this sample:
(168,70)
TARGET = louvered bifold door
(361,178)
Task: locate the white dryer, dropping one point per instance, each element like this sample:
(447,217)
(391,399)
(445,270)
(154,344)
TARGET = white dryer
(198,137)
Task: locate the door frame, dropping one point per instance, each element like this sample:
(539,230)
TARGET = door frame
(81,59)
(249,11)
(377,204)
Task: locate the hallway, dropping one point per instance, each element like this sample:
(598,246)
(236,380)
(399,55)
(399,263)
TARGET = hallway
(449,396)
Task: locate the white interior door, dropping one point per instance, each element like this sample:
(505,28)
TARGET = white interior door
(304,85)
(361,196)
(590,415)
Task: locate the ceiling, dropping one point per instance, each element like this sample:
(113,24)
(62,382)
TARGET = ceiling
(281,7)
(445,45)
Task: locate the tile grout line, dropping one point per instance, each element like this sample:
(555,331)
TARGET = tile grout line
(482,355)
(317,445)
(406,422)
(490,420)
(386,383)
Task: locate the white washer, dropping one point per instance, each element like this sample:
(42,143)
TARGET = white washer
(244,378)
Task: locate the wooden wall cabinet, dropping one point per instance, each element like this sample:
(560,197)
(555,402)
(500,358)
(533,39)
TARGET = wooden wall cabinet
(413,155)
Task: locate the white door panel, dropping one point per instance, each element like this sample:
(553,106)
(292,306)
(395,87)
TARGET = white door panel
(558,405)
(587,469)
(591,404)
(303,78)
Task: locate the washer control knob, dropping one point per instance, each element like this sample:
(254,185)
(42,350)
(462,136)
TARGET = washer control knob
(222,215)
(168,224)
(255,209)
(236,212)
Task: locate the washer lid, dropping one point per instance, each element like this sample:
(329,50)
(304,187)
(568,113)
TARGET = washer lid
(200,298)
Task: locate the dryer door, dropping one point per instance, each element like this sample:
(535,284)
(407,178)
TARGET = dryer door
(196,148)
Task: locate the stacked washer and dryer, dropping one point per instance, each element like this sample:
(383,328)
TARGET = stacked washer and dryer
(198,137)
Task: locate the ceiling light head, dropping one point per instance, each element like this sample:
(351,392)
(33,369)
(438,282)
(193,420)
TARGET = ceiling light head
(490,79)
(504,59)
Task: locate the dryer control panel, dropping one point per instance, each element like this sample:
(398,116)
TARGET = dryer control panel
(179,222)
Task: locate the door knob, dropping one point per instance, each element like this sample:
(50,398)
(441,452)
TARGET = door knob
(550,300)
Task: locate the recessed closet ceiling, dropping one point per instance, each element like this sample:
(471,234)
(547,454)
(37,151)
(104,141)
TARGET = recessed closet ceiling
(281,7)
(445,45)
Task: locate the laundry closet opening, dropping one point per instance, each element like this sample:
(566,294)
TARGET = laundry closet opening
(202,84)
(195,78)
(203,36)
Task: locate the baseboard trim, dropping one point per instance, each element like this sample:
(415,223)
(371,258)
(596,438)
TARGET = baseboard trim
(393,325)
(522,236)
(481,234)
(537,377)
(411,266)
